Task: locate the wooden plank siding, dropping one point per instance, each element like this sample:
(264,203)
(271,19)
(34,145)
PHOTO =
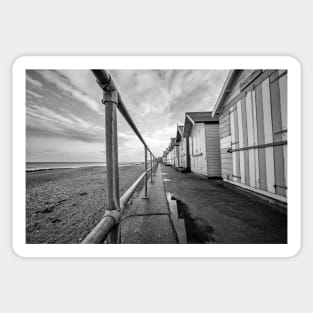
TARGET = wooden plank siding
(224,126)
(283,103)
(261,141)
(225,145)
(236,144)
(277,135)
(182,153)
(177,156)
(245,142)
(254,114)
(197,149)
(212,148)
(233,140)
(250,133)
(204,146)
(240,137)
(268,135)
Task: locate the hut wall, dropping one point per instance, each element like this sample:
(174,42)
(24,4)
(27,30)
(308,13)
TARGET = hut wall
(225,145)
(197,148)
(253,134)
(183,153)
(177,156)
(212,145)
(172,157)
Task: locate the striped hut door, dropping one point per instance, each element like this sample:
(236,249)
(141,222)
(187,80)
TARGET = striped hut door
(232,132)
(178,155)
(268,136)
(201,146)
(235,143)
(277,115)
(250,133)
(283,103)
(260,137)
(245,140)
(255,140)
(241,142)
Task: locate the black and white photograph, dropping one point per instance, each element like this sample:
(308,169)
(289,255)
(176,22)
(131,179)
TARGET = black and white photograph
(156,156)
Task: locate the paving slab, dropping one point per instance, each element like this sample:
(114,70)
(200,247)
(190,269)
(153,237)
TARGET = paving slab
(148,221)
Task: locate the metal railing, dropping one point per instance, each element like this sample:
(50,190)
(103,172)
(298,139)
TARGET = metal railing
(108,227)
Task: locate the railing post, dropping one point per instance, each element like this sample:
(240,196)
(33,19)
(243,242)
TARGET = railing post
(110,100)
(151,167)
(155,166)
(146,176)
(115,161)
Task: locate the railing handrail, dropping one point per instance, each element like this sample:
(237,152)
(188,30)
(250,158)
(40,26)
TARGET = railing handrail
(106,83)
(109,223)
(101,230)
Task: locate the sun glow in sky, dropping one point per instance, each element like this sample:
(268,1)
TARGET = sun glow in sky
(65,116)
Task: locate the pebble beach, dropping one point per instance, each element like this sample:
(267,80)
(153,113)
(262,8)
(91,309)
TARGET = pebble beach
(63,205)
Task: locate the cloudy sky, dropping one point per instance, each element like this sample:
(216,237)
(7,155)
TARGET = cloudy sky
(65,116)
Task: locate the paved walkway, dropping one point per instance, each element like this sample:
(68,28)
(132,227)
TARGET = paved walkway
(148,220)
(214,213)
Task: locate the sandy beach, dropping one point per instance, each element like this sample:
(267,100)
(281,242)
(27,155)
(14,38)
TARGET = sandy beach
(63,205)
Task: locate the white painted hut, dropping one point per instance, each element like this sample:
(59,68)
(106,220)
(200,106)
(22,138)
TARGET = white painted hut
(203,133)
(183,148)
(174,152)
(169,155)
(171,152)
(252,108)
(164,158)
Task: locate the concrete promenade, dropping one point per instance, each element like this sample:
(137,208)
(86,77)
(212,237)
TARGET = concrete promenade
(215,213)
(148,221)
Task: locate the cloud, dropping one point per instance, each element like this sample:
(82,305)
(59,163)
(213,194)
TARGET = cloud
(33,82)
(155,140)
(44,122)
(83,80)
(156,100)
(34,94)
(198,91)
(64,85)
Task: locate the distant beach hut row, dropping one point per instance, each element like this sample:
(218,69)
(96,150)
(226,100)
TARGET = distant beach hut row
(244,139)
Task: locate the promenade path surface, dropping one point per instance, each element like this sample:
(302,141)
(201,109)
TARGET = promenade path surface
(216,213)
(148,221)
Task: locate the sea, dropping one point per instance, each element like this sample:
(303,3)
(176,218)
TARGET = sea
(39,166)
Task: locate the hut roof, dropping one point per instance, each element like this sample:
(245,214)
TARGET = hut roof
(197,117)
(179,134)
(225,90)
(172,144)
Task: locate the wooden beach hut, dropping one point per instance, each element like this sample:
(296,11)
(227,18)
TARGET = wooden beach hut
(252,108)
(167,156)
(164,157)
(173,152)
(202,131)
(183,148)
(168,159)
